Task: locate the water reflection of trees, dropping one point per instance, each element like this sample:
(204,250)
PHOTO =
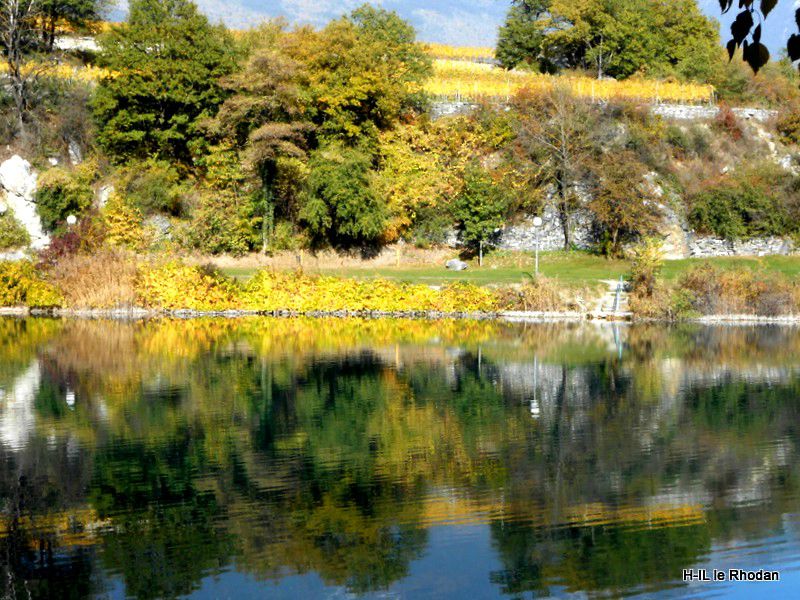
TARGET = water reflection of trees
(279,447)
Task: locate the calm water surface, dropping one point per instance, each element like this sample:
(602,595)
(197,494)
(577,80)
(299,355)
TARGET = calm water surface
(395,459)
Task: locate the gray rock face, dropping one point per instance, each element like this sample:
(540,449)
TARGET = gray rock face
(456,265)
(522,236)
(18,182)
(103,194)
(679,241)
(75,153)
(84,44)
(160,226)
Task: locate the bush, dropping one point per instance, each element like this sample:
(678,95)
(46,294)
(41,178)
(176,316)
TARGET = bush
(152,186)
(466,297)
(661,303)
(537,295)
(85,237)
(676,137)
(21,285)
(649,297)
(691,141)
(340,204)
(104,280)
(648,260)
(713,291)
(284,238)
(727,122)
(221,223)
(175,286)
(61,193)
(12,233)
(738,209)
(123,223)
(788,125)
(268,291)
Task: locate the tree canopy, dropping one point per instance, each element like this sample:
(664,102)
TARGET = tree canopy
(365,71)
(165,63)
(616,38)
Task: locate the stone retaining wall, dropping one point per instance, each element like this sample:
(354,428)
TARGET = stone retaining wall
(522,236)
(680,242)
(678,112)
(692,112)
(703,246)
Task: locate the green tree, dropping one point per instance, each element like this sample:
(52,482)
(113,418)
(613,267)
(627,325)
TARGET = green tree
(480,208)
(341,205)
(165,63)
(12,233)
(520,40)
(614,38)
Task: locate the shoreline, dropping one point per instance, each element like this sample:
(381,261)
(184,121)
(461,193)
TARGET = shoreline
(139,313)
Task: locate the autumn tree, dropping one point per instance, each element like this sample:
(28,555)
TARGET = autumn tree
(365,71)
(623,202)
(18,33)
(264,116)
(165,64)
(554,145)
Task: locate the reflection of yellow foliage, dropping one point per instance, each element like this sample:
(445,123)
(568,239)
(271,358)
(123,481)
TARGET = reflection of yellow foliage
(71,528)
(648,516)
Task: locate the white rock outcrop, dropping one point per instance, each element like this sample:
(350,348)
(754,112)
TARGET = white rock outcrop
(18,182)
(83,44)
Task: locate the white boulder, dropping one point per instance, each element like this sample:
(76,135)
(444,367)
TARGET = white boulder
(18,182)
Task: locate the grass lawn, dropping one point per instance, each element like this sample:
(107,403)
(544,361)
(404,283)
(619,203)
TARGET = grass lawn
(571,268)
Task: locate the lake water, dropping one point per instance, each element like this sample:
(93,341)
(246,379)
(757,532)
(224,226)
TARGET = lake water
(396,459)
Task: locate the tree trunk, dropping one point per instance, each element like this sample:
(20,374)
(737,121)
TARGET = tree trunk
(268,220)
(51,34)
(564,215)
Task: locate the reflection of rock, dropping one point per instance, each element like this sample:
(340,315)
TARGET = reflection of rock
(17,416)
(19,182)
